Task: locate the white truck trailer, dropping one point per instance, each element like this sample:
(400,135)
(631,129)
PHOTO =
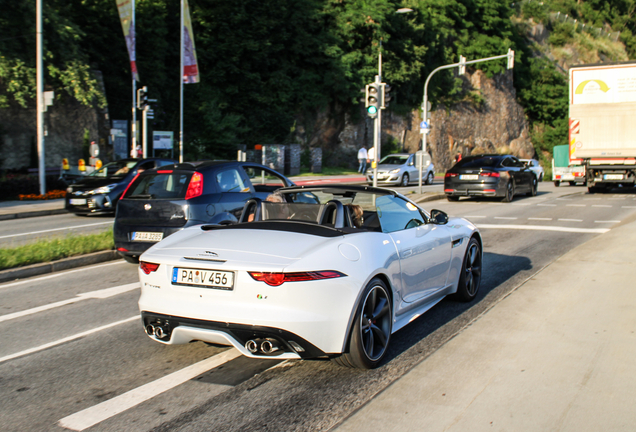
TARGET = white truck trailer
(603,123)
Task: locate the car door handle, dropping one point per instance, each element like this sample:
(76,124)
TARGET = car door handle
(406,253)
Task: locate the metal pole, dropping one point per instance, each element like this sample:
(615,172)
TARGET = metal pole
(39,92)
(134,90)
(144,131)
(181,86)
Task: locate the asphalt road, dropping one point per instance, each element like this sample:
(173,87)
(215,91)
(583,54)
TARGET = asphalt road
(17,232)
(74,354)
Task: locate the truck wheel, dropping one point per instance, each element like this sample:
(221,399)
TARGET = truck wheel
(557,183)
(572,183)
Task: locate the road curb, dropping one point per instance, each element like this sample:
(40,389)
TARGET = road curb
(433,197)
(30,214)
(59,265)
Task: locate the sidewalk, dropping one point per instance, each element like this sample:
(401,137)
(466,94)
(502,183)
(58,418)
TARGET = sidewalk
(24,209)
(556,354)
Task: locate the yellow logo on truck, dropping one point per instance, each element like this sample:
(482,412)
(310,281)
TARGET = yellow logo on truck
(604,87)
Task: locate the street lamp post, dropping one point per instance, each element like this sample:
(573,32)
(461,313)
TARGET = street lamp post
(510,55)
(39,96)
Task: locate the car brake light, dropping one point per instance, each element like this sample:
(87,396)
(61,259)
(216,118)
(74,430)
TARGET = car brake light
(128,187)
(449,190)
(147,267)
(195,187)
(164,172)
(450,175)
(490,174)
(121,249)
(276,279)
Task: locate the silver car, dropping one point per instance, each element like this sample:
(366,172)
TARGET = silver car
(535,167)
(400,169)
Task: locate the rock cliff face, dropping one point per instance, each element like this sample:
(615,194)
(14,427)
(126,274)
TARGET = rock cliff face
(491,121)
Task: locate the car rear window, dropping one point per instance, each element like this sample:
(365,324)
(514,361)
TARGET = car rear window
(478,162)
(160,186)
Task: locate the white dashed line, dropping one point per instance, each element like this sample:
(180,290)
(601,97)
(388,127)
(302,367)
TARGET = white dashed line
(546,228)
(546,205)
(575,205)
(506,218)
(601,205)
(56,229)
(540,219)
(65,273)
(571,220)
(67,339)
(99,294)
(628,206)
(105,410)
(609,221)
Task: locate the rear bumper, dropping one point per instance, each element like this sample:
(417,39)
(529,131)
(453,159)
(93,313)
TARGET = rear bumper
(474,189)
(125,246)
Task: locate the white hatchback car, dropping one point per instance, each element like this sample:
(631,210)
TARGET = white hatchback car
(330,272)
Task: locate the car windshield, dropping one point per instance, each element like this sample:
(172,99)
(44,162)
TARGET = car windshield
(479,162)
(160,186)
(114,169)
(394,160)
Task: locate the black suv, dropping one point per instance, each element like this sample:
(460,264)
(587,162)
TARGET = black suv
(162,201)
(100,191)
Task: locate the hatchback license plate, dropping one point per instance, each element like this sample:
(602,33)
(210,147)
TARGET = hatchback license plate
(147,236)
(469,176)
(613,176)
(77,201)
(205,278)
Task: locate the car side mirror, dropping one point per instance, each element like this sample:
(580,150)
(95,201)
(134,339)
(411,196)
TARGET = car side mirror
(438,217)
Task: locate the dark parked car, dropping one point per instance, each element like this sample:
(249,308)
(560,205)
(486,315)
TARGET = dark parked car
(490,176)
(100,191)
(163,201)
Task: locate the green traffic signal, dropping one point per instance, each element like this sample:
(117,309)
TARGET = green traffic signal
(372,109)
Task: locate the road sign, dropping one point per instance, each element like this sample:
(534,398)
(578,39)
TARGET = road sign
(424,125)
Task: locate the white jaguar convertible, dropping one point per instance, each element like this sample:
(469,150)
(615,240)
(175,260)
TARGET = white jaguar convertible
(329,272)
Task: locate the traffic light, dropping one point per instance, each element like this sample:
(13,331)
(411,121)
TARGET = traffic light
(462,65)
(142,97)
(386,97)
(373,96)
(511,58)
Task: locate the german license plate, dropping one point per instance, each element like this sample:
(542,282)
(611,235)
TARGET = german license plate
(205,278)
(613,176)
(469,176)
(77,201)
(147,236)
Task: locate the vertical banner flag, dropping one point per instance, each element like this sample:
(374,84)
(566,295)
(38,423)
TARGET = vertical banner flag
(190,68)
(125,8)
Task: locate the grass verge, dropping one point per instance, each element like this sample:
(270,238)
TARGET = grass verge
(51,250)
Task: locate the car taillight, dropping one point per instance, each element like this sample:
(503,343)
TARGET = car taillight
(450,175)
(128,187)
(490,174)
(148,267)
(276,279)
(164,172)
(195,187)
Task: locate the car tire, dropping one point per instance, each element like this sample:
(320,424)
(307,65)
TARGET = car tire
(533,188)
(510,192)
(452,198)
(540,177)
(429,178)
(405,180)
(557,183)
(371,329)
(470,276)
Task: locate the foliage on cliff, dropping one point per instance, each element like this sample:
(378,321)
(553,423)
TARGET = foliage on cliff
(264,64)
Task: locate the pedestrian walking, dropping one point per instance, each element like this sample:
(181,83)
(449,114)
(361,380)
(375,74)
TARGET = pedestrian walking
(362,160)
(371,156)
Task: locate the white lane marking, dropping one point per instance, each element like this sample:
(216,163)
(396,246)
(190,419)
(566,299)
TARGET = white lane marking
(546,205)
(592,199)
(67,339)
(105,410)
(56,229)
(571,220)
(99,294)
(58,274)
(506,218)
(543,219)
(628,206)
(575,205)
(546,228)
(608,221)
(601,205)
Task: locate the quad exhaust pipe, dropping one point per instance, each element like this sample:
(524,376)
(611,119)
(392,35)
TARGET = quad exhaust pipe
(265,346)
(156,331)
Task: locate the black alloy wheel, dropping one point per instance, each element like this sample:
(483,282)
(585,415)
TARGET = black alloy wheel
(510,192)
(429,178)
(371,330)
(405,180)
(470,277)
(533,187)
